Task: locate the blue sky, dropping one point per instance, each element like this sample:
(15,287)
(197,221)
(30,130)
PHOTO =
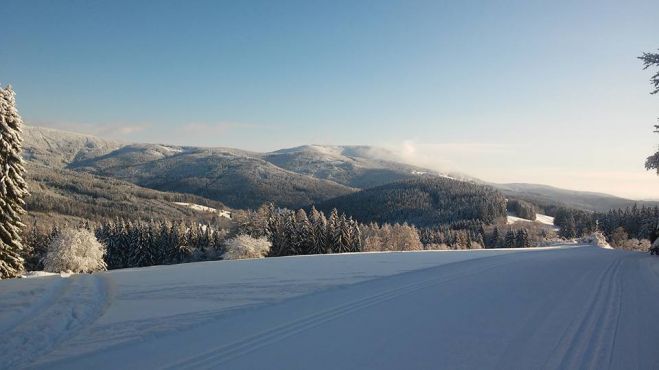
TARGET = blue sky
(508,91)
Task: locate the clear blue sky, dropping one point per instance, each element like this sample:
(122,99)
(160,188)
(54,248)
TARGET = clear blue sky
(508,91)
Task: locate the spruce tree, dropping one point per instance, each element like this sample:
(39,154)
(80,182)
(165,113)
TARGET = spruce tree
(511,239)
(522,239)
(333,232)
(494,241)
(13,188)
(303,232)
(319,234)
(652,60)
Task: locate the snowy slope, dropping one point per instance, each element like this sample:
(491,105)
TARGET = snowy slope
(200,208)
(544,219)
(578,307)
(539,218)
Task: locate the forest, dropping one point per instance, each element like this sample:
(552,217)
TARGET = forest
(630,228)
(423,202)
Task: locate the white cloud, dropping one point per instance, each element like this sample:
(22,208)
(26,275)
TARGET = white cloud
(445,156)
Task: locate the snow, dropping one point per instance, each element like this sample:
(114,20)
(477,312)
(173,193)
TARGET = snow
(38,274)
(171,149)
(539,218)
(577,307)
(512,219)
(200,208)
(596,239)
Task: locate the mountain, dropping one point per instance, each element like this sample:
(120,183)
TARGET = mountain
(57,149)
(548,196)
(425,201)
(355,166)
(237,178)
(294,177)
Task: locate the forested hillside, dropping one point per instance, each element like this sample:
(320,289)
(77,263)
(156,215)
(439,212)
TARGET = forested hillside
(550,198)
(62,195)
(426,201)
(236,178)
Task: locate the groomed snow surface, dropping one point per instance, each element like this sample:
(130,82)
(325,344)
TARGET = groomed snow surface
(571,307)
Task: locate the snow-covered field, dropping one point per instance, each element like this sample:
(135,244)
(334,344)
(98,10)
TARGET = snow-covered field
(200,208)
(580,307)
(539,218)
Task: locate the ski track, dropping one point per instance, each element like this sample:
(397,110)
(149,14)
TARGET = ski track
(69,306)
(54,290)
(601,319)
(218,356)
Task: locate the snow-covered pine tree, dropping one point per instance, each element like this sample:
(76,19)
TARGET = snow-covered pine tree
(13,188)
(304,232)
(276,232)
(290,231)
(333,231)
(136,247)
(357,240)
(319,231)
(341,235)
(345,235)
(262,215)
(176,248)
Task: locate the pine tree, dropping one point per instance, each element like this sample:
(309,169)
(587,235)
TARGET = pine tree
(569,228)
(522,239)
(319,234)
(13,188)
(303,232)
(333,232)
(277,233)
(343,235)
(357,244)
(494,240)
(511,239)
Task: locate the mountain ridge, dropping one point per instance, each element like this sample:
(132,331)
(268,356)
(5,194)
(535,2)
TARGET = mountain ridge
(290,177)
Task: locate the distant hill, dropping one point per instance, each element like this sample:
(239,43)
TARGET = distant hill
(549,196)
(427,201)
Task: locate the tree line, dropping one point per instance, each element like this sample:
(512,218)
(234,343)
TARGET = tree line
(522,208)
(131,243)
(636,222)
(135,243)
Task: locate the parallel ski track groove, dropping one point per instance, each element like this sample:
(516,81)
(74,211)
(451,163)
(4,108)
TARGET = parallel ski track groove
(579,350)
(228,352)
